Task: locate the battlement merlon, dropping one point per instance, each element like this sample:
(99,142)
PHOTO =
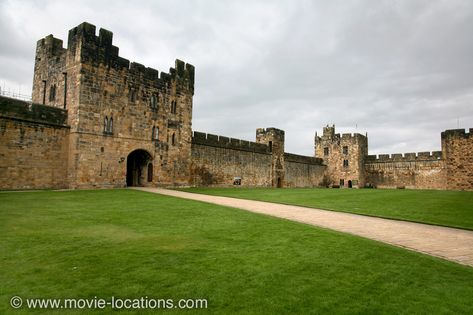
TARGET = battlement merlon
(50,46)
(271,131)
(457,133)
(328,132)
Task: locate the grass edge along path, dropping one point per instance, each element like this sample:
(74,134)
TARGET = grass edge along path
(442,208)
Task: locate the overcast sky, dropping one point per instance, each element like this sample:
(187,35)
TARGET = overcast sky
(400,70)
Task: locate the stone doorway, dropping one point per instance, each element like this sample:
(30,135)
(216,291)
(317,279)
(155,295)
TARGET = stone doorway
(350,185)
(137,168)
(279,183)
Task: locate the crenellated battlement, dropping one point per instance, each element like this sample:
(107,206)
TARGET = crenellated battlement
(329,135)
(229,143)
(343,138)
(87,47)
(352,136)
(406,157)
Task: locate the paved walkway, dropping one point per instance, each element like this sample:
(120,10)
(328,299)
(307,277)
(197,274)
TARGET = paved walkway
(448,243)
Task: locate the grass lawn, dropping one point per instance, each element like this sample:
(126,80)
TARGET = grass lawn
(449,208)
(129,244)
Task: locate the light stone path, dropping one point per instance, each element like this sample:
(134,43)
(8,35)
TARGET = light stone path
(448,243)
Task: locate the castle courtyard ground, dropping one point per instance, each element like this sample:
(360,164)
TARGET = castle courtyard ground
(127,243)
(448,243)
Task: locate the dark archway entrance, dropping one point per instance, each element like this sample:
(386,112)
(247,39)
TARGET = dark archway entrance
(279,183)
(350,184)
(137,167)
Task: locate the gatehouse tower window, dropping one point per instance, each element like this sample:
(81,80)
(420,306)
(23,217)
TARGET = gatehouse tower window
(345,163)
(345,150)
(154,102)
(44,92)
(132,95)
(52,93)
(110,125)
(326,151)
(155,134)
(105,124)
(65,89)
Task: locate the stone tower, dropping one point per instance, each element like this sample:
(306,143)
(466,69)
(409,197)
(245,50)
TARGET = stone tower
(344,156)
(274,138)
(129,125)
(457,148)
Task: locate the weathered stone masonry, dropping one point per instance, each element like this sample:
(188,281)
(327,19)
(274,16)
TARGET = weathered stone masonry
(34,145)
(349,163)
(219,161)
(115,108)
(99,120)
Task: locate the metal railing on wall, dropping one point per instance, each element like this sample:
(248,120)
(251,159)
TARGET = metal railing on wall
(17,95)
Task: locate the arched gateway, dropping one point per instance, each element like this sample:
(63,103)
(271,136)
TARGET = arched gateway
(138,166)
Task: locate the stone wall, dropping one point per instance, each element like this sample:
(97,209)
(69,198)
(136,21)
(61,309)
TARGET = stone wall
(303,171)
(457,149)
(34,145)
(219,161)
(423,170)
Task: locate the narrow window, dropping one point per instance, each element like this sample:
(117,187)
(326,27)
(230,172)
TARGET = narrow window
(110,125)
(345,163)
(156,134)
(52,93)
(105,124)
(173,139)
(325,151)
(270,146)
(154,102)
(150,172)
(345,150)
(153,133)
(65,88)
(44,92)
(173,107)
(132,95)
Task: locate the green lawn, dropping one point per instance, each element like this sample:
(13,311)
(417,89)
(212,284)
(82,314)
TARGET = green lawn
(129,244)
(449,208)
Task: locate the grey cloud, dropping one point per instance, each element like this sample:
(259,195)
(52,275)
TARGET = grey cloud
(399,70)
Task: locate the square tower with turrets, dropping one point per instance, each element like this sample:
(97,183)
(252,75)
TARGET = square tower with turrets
(344,156)
(129,124)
